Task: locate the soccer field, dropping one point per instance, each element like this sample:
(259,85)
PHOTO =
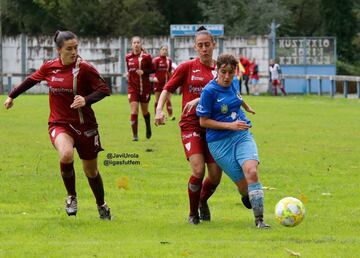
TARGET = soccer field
(309,149)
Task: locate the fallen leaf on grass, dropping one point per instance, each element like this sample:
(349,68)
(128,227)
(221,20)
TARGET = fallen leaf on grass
(293,253)
(303,198)
(268,188)
(123,182)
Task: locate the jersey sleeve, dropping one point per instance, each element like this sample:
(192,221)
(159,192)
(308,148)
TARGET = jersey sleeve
(148,67)
(170,65)
(155,64)
(177,79)
(40,74)
(204,108)
(94,79)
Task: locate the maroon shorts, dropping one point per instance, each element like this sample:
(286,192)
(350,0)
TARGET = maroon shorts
(194,142)
(158,87)
(86,138)
(135,96)
(276,83)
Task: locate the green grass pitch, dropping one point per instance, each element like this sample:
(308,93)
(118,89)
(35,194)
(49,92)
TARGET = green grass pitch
(309,149)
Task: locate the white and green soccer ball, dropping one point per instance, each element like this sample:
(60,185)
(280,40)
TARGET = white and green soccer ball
(289,211)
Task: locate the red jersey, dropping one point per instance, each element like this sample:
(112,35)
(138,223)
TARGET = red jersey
(192,76)
(66,81)
(254,71)
(163,67)
(139,84)
(246,64)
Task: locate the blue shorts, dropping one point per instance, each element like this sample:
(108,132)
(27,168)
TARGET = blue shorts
(254,81)
(231,152)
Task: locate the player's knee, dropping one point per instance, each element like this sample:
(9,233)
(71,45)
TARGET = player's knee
(91,173)
(252,175)
(198,170)
(67,156)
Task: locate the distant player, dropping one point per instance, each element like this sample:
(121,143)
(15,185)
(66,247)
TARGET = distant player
(139,66)
(74,85)
(275,73)
(193,75)
(254,77)
(246,74)
(228,136)
(162,66)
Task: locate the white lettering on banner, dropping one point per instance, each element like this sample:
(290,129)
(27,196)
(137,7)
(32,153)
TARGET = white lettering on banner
(315,51)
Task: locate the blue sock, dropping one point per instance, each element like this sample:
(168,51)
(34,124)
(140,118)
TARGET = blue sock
(256,196)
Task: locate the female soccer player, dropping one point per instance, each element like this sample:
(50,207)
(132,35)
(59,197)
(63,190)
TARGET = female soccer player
(228,136)
(193,75)
(74,85)
(162,65)
(254,76)
(139,66)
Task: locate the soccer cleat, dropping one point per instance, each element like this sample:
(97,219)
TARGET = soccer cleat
(259,223)
(104,212)
(135,138)
(204,211)
(71,205)
(194,219)
(246,201)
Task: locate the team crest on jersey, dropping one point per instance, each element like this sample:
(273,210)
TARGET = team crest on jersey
(224,108)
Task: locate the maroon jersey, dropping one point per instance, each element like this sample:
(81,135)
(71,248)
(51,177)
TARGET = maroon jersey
(66,81)
(139,84)
(192,76)
(162,68)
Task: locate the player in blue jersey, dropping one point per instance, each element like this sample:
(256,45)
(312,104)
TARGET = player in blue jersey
(228,136)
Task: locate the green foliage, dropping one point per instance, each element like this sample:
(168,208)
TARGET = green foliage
(110,18)
(339,20)
(305,151)
(344,68)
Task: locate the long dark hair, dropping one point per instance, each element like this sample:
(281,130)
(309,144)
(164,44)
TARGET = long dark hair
(61,36)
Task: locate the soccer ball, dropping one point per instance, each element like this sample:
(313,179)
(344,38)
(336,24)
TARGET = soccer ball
(289,211)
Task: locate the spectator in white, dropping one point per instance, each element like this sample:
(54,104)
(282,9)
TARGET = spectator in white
(275,73)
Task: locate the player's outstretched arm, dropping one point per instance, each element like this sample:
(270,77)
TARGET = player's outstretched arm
(9,102)
(190,105)
(159,116)
(248,108)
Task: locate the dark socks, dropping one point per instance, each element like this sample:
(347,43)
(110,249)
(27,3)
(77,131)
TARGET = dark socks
(148,126)
(68,176)
(97,187)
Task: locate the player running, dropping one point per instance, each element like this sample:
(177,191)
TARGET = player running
(228,136)
(139,66)
(193,75)
(162,65)
(74,85)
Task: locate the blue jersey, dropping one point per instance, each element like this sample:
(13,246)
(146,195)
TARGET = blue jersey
(221,104)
